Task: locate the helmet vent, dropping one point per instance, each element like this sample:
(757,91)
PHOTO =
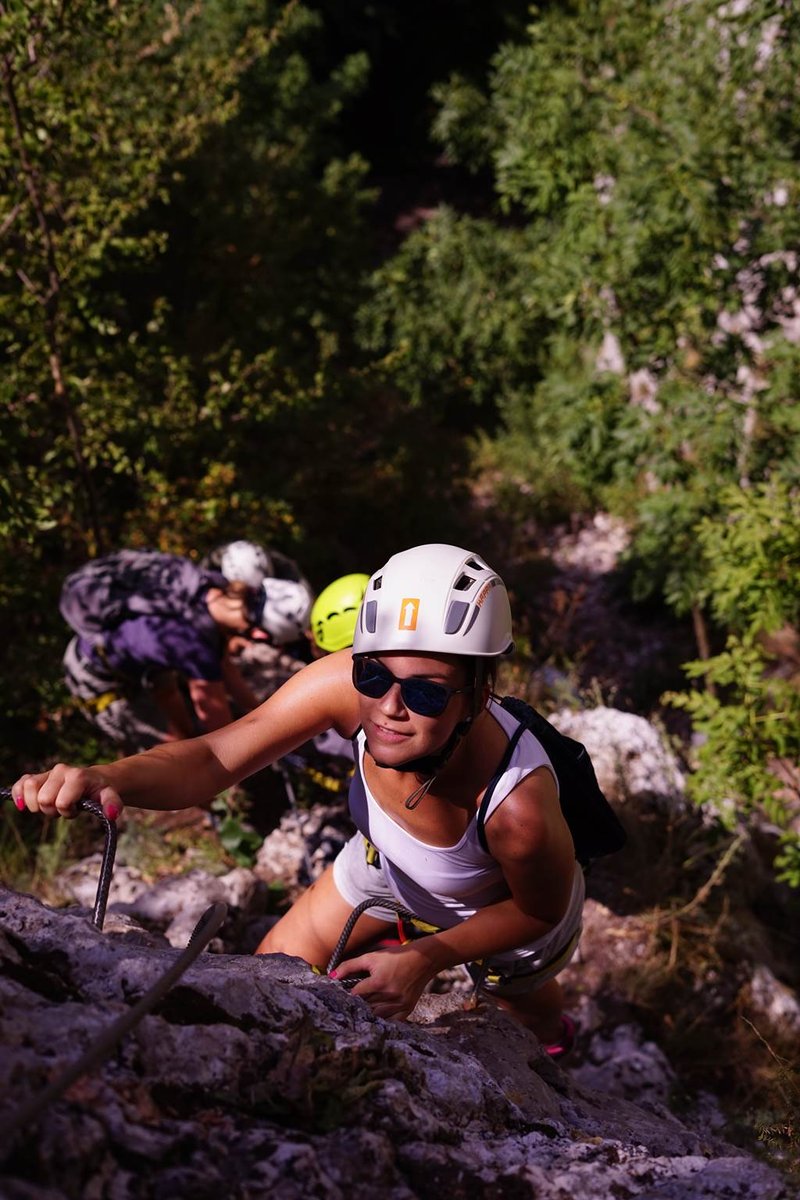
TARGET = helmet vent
(475,565)
(455,616)
(463,583)
(376,583)
(472,619)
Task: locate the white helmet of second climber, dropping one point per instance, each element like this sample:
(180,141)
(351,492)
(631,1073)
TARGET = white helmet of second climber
(287,605)
(245,561)
(437,598)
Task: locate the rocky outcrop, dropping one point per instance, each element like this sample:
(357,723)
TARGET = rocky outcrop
(632,759)
(255,1077)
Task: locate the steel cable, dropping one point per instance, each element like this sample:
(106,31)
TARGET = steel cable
(370,902)
(31,1110)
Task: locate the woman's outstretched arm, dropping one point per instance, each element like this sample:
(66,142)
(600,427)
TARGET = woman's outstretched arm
(182,774)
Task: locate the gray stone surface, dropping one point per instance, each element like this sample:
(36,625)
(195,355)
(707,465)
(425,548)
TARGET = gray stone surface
(255,1077)
(631,758)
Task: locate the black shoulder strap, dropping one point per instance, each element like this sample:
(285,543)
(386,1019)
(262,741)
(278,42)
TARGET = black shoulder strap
(493,782)
(596,830)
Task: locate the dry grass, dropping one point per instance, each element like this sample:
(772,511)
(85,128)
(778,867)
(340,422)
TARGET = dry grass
(691,990)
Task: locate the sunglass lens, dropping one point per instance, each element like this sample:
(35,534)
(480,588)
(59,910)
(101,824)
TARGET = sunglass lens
(421,696)
(371,678)
(424,697)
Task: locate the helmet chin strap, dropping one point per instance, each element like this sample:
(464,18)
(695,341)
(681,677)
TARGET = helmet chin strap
(427,764)
(431,764)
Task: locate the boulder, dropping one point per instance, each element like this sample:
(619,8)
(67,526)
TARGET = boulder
(256,1077)
(632,759)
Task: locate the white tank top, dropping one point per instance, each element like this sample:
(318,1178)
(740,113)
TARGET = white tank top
(444,884)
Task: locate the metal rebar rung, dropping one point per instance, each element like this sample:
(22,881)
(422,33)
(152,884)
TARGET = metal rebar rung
(86,804)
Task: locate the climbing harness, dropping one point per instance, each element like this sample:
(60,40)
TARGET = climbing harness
(483,976)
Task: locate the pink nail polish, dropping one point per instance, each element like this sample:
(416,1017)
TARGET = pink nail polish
(112,812)
(333,975)
(19,802)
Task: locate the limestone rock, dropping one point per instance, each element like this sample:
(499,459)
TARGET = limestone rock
(255,1077)
(632,760)
(304,844)
(772,999)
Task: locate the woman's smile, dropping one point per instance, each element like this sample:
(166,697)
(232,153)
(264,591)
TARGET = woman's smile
(387,734)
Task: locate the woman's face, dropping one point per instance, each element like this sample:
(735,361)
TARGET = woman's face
(394,732)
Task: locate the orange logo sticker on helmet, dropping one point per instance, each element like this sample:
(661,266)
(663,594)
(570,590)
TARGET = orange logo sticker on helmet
(484,592)
(409,611)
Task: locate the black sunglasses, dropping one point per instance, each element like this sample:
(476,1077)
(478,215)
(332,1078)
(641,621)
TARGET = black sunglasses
(421,696)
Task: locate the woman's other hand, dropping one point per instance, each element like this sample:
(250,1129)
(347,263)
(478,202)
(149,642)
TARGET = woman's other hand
(396,978)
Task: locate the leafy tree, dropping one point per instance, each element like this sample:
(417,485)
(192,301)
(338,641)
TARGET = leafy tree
(632,306)
(101,105)
(748,760)
(266,233)
(115,424)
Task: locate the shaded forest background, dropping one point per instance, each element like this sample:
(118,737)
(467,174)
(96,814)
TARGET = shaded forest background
(342,278)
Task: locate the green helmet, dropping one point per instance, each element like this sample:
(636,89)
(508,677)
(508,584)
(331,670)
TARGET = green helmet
(335,611)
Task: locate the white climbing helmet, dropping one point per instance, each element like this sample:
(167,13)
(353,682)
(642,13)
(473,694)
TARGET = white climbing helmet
(287,604)
(437,598)
(245,561)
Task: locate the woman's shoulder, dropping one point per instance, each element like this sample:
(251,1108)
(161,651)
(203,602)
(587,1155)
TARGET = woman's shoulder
(338,667)
(524,751)
(529,821)
(326,684)
(525,813)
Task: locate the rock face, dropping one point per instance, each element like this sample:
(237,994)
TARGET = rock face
(631,758)
(255,1077)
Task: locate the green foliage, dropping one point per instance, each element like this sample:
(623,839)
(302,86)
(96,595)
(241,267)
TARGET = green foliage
(100,105)
(154,161)
(627,308)
(236,835)
(447,326)
(266,231)
(747,714)
(627,319)
(754,552)
(154,850)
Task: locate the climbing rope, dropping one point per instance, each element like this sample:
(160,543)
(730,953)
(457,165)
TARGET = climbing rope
(370,902)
